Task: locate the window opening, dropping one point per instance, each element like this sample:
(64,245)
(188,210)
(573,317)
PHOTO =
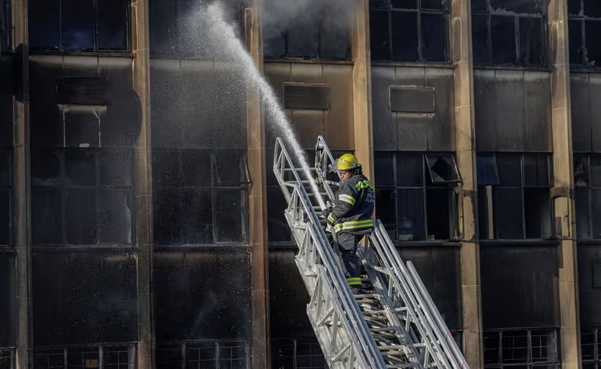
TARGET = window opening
(409,30)
(523,348)
(509,33)
(587,182)
(584,29)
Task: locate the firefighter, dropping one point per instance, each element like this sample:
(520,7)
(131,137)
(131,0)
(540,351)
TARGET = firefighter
(351,217)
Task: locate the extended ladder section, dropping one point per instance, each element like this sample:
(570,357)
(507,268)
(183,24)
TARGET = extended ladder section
(395,324)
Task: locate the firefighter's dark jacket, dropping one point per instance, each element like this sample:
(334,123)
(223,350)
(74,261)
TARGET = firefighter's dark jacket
(354,206)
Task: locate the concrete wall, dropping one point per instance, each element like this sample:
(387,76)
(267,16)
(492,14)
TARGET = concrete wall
(586,94)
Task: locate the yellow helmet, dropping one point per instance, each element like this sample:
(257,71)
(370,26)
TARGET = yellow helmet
(347,162)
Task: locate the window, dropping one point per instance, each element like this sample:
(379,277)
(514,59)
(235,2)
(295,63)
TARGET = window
(111,357)
(590,341)
(415,196)
(301,353)
(587,179)
(79,25)
(508,32)
(7,360)
(531,348)
(409,30)
(82,196)
(5,197)
(318,30)
(584,29)
(200,196)
(514,199)
(203,354)
(5,24)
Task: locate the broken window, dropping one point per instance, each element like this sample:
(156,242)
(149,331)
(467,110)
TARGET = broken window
(79,25)
(587,180)
(521,348)
(415,197)
(507,32)
(514,196)
(584,30)
(311,29)
(409,30)
(82,196)
(200,197)
(111,356)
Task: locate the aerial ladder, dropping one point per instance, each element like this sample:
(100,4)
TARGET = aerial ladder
(395,324)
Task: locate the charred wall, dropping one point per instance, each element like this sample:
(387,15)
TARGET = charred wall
(586,131)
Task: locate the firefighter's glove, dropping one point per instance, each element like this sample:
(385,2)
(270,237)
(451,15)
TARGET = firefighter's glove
(328,215)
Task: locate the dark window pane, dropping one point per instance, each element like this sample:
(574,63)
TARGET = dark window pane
(502,31)
(518,6)
(112,24)
(576,46)
(379,32)
(479,5)
(487,171)
(80,216)
(275,46)
(441,169)
(115,216)
(515,347)
(166,168)
(44,18)
(5,211)
(230,207)
(574,7)
(411,218)
(438,210)
(532,45)
(166,214)
(196,217)
(592,8)
(80,167)
(480,41)
(77,17)
(483,214)
(508,213)
(5,21)
(434,37)
(302,39)
(386,205)
(5,172)
(404,4)
(197,167)
(593,47)
(82,129)
(162,16)
(491,347)
(334,42)
(537,211)
(409,170)
(595,171)
(384,169)
(45,168)
(228,169)
(379,4)
(404,36)
(536,170)
(435,4)
(46,214)
(116,167)
(278,229)
(596,212)
(510,172)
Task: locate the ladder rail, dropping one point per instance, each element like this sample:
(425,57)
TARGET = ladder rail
(300,213)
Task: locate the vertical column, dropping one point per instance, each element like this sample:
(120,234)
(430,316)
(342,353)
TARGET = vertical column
(466,157)
(362,87)
(22,192)
(143,184)
(563,179)
(257,200)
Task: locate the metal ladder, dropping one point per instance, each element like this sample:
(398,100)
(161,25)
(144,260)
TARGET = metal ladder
(395,326)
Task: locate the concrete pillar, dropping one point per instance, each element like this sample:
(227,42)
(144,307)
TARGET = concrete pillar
(362,124)
(21,185)
(257,198)
(563,179)
(461,36)
(143,184)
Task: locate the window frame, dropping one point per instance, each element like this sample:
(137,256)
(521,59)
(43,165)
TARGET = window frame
(95,48)
(516,35)
(585,159)
(582,19)
(530,361)
(446,12)
(453,208)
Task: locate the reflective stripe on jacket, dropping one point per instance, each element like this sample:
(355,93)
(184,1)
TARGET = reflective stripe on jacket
(354,206)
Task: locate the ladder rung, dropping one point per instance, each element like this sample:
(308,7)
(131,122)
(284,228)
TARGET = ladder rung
(374,312)
(383,329)
(391,348)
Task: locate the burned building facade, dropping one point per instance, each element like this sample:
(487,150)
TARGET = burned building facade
(141,225)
